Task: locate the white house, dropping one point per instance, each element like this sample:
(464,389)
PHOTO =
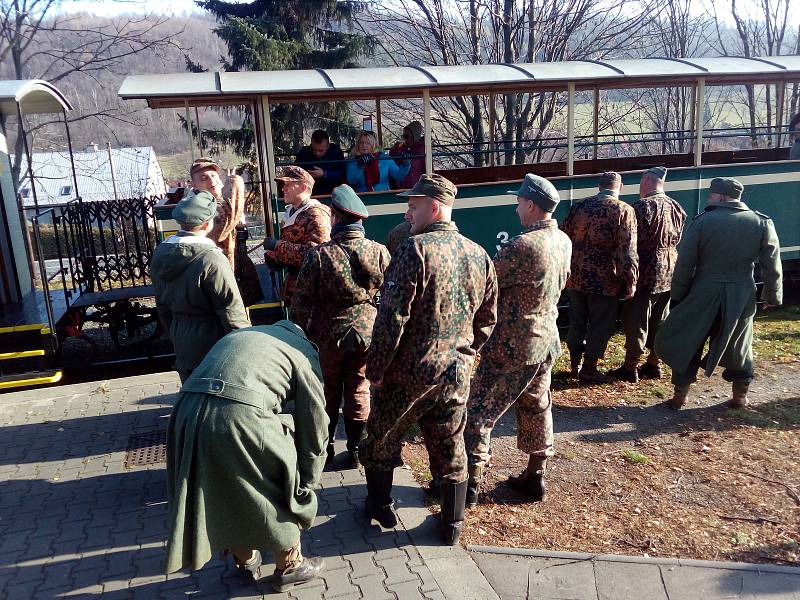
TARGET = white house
(102,175)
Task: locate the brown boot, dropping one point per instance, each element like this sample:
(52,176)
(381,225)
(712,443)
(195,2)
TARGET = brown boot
(739,390)
(679,396)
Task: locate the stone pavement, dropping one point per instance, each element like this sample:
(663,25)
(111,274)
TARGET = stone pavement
(75,521)
(522,574)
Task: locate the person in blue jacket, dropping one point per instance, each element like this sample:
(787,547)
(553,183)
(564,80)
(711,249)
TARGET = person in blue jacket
(369,171)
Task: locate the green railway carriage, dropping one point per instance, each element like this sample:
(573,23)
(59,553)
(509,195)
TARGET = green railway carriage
(101,249)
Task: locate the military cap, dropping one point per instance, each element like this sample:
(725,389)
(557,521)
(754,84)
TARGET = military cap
(203,163)
(727,186)
(347,202)
(196,208)
(294,173)
(659,172)
(433,186)
(609,179)
(539,191)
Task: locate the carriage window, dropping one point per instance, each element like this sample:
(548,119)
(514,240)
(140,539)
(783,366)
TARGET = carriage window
(66,190)
(25,192)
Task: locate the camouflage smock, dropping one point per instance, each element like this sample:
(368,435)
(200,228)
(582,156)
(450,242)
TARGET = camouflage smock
(659,222)
(397,235)
(439,306)
(603,233)
(330,300)
(532,269)
(310,228)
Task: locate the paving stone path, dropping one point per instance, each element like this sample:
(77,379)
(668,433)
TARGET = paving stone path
(78,521)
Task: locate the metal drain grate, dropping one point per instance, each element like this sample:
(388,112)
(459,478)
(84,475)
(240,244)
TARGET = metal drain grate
(146,449)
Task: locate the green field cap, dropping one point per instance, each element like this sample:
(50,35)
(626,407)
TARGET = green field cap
(660,172)
(347,202)
(433,186)
(196,208)
(539,191)
(727,186)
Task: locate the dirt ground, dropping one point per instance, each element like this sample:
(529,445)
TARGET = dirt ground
(631,476)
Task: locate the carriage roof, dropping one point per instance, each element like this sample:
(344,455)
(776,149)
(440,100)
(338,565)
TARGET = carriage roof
(32,96)
(218,88)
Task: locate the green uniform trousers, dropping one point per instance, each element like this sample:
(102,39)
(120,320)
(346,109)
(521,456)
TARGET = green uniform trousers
(527,388)
(641,316)
(441,413)
(592,321)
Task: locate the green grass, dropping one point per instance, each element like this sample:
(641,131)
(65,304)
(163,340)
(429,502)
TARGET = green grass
(632,456)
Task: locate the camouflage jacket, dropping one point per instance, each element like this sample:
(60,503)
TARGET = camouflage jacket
(311,228)
(532,269)
(659,222)
(334,296)
(439,306)
(397,235)
(603,233)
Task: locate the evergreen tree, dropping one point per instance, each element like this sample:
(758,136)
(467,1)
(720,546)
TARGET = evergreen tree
(266,35)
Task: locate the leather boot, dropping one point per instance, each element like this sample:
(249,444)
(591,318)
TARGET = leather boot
(679,397)
(248,571)
(356,434)
(453,501)
(380,505)
(334,420)
(473,485)
(531,481)
(739,392)
(307,570)
(575,363)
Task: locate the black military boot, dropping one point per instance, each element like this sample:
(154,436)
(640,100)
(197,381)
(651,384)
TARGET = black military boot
(380,505)
(531,481)
(356,434)
(331,450)
(473,485)
(453,502)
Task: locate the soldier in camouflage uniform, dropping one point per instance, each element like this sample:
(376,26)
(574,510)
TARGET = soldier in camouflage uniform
(516,361)
(335,303)
(659,222)
(397,235)
(439,306)
(305,224)
(603,271)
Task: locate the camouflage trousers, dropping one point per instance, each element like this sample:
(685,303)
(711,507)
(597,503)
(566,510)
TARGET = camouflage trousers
(641,317)
(493,393)
(345,383)
(441,413)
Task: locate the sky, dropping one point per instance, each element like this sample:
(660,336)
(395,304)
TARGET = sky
(168,7)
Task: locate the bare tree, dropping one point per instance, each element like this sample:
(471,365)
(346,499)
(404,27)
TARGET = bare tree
(73,49)
(457,32)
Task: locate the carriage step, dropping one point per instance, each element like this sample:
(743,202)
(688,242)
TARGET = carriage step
(24,338)
(21,354)
(29,379)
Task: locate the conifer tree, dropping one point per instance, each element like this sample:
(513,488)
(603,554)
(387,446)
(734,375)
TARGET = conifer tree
(266,35)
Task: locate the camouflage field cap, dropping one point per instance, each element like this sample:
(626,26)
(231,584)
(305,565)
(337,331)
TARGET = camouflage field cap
(433,186)
(660,172)
(727,186)
(196,208)
(347,202)
(539,191)
(294,173)
(203,163)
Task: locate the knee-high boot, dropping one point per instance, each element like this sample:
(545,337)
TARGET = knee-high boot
(453,501)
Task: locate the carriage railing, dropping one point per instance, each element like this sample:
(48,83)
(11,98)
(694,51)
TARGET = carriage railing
(623,144)
(87,247)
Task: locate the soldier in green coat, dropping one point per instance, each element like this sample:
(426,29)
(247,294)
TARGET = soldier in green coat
(242,465)
(197,298)
(715,292)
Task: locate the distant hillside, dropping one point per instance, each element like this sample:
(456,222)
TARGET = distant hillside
(141,126)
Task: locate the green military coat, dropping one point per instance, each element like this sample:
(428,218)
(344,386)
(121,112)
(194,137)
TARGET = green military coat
(246,446)
(714,277)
